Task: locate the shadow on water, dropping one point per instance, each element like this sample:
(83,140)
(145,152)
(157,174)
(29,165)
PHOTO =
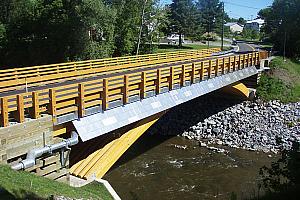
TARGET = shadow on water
(176,121)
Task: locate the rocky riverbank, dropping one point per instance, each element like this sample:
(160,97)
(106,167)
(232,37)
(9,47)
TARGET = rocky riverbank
(252,125)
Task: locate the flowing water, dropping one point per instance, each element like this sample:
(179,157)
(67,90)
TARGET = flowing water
(163,167)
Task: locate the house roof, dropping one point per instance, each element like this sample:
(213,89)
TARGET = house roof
(232,23)
(259,21)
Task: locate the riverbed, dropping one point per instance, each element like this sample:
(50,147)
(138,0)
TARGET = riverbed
(172,167)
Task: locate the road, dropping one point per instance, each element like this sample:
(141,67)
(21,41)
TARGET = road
(245,47)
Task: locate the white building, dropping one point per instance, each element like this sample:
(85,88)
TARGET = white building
(255,24)
(234,27)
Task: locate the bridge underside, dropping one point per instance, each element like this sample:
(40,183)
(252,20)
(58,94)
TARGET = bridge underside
(100,161)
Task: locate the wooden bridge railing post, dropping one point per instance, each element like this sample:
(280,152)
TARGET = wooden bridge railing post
(202,71)
(239,65)
(217,67)
(52,104)
(223,66)
(244,61)
(234,63)
(81,109)
(4,112)
(193,73)
(209,69)
(105,95)
(143,86)
(171,81)
(35,105)
(20,108)
(158,81)
(125,89)
(182,81)
(229,65)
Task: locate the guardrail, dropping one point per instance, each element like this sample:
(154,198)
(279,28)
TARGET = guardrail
(97,95)
(22,78)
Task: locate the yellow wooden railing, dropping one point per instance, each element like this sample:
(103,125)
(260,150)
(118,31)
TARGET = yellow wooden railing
(77,97)
(20,78)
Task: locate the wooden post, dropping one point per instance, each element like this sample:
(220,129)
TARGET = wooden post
(125,89)
(105,95)
(202,71)
(158,81)
(223,66)
(52,100)
(171,83)
(143,86)
(229,64)
(244,61)
(239,66)
(182,82)
(35,105)
(81,110)
(4,112)
(20,108)
(209,69)
(247,64)
(234,63)
(217,67)
(193,73)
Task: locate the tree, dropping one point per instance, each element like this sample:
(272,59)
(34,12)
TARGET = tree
(42,31)
(282,25)
(211,15)
(182,18)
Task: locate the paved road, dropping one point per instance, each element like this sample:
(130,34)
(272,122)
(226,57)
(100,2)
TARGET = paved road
(245,47)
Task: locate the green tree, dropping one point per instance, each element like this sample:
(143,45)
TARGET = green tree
(182,18)
(282,25)
(211,15)
(43,31)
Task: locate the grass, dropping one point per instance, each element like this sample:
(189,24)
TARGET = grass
(23,185)
(168,48)
(282,82)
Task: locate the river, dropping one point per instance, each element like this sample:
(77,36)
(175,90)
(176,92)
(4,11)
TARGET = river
(159,167)
(164,167)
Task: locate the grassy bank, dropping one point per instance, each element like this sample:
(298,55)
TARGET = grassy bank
(282,82)
(23,185)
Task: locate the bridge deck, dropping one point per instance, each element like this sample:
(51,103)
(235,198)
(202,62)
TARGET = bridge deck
(70,100)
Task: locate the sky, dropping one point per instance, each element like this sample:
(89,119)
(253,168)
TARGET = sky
(247,9)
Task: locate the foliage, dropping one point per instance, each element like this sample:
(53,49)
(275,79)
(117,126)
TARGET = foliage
(282,82)
(282,179)
(283,24)
(182,17)
(41,31)
(211,15)
(250,34)
(23,185)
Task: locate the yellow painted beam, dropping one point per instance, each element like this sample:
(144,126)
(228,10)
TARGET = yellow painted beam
(99,162)
(237,89)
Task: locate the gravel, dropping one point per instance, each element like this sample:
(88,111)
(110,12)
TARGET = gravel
(214,120)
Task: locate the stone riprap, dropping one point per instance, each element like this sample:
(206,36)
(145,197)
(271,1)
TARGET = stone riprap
(215,120)
(250,125)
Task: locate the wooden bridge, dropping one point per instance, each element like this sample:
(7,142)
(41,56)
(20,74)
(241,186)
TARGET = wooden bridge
(41,105)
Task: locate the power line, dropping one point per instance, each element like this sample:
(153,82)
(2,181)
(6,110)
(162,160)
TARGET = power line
(235,4)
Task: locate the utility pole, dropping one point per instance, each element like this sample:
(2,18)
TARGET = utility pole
(284,46)
(222,44)
(141,28)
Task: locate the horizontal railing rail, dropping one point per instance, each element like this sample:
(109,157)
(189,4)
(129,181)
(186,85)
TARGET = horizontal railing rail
(97,95)
(18,78)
